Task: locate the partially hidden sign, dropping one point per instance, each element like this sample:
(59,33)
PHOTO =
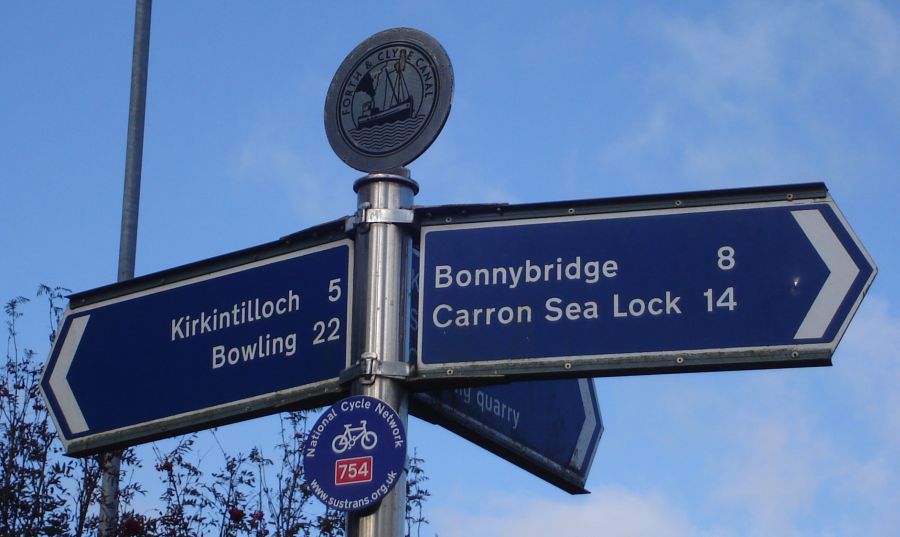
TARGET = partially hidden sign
(354,454)
(550,428)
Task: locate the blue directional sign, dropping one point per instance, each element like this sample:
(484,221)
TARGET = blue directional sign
(212,348)
(550,427)
(727,286)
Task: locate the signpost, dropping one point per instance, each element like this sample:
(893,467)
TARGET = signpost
(386,104)
(729,280)
(550,428)
(216,347)
(740,279)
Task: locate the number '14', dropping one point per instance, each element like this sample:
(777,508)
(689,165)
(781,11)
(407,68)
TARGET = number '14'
(724,300)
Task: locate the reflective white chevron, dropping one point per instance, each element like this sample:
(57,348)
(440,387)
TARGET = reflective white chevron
(579,458)
(60,384)
(842,272)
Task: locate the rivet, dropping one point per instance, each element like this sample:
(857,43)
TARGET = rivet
(795,354)
(448,219)
(790,197)
(679,360)
(571,211)
(678,203)
(449,372)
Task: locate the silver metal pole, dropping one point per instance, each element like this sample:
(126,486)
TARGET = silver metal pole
(383,253)
(110,463)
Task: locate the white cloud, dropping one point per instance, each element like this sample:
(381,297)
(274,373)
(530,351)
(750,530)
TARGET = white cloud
(794,468)
(613,512)
(754,54)
(446,175)
(870,357)
(270,163)
(874,41)
(772,471)
(762,93)
(654,128)
(283,153)
(716,56)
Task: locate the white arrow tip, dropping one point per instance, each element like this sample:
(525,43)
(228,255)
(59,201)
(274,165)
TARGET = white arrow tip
(60,384)
(842,272)
(582,457)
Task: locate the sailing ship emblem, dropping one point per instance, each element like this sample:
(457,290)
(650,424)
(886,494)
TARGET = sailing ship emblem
(392,93)
(385,111)
(389,100)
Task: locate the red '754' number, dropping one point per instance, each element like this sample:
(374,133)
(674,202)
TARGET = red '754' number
(355,470)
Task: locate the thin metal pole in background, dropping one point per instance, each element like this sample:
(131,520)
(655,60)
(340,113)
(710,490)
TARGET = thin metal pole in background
(134,153)
(383,253)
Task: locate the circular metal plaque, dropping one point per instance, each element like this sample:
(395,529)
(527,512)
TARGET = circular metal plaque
(389,100)
(354,454)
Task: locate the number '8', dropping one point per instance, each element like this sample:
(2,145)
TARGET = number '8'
(726,258)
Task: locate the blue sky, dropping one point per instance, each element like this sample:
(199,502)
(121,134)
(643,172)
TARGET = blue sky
(552,101)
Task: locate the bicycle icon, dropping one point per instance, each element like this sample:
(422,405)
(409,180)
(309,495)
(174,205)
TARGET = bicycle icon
(346,440)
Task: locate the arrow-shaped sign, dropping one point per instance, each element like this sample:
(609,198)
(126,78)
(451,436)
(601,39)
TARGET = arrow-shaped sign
(206,349)
(550,428)
(743,279)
